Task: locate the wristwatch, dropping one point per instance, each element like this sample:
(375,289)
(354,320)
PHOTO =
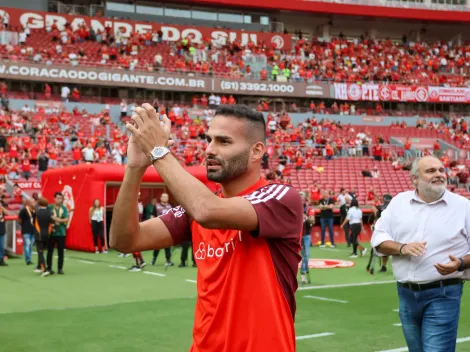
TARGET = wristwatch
(157,153)
(462,266)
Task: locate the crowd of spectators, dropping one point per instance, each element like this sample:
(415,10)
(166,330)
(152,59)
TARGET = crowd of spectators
(335,60)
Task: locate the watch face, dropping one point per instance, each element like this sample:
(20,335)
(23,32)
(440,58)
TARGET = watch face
(159,152)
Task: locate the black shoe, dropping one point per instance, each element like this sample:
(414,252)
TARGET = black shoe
(367,267)
(29,263)
(194,265)
(169,263)
(61,272)
(383,269)
(371,271)
(182,265)
(154,260)
(51,272)
(2,263)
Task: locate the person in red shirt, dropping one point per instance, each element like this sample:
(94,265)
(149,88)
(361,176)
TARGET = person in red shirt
(245,236)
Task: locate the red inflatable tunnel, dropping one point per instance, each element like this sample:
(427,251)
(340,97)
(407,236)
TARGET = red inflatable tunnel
(81,184)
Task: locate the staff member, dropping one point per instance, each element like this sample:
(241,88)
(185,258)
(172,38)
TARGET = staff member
(3,230)
(43,223)
(343,211)
(59,230)
(26,220)
(326,218)
(96,215)
(354,218)
(161,209)
(428,233)
(309,221)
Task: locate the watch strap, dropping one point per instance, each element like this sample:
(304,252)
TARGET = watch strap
(462,265)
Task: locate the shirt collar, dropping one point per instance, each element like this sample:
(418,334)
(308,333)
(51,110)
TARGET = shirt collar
(444,198)
(260,183)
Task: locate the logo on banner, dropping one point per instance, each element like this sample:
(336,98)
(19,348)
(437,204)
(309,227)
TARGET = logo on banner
(355,92)
(385,93)
(314,90)
(69,202)
(278,41)
(434,94)
(329,263)
(5,15)
(421,94)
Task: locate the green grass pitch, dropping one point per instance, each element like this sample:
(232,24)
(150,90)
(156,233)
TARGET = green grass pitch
(95,307)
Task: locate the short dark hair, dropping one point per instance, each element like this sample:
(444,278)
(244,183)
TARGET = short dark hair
(43,202)
(354,203)
(58,194)
(243,112)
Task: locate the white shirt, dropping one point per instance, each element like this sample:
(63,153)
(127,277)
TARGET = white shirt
(354,216)
(342,198)
(88,154)
(22,37)
(444,224)
(65,91)
(97,214)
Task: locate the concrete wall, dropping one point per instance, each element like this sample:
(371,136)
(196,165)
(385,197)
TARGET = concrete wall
(37,5)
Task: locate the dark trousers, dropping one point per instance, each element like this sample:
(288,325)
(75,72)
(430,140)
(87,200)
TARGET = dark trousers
(60,240)
(355,231)
(347,231)
(41,246)
(97,229)
(184,252)
(167,254)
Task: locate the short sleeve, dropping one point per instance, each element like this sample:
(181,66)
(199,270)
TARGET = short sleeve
(280,212)
(382,229)
(65,215)
(178,223)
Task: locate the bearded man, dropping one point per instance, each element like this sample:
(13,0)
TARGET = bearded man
(428,233)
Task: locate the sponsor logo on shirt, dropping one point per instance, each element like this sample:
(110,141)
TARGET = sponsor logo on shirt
(208,251)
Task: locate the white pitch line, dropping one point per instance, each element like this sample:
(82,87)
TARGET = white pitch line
(118,267)
(405,349)
(152,273)
(194,281)
(345,285)
(326,299)
(314,336)
(396,310)
(398,324)
(331,249)
(86,262)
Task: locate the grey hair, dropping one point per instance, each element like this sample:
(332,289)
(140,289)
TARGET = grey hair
(414,168)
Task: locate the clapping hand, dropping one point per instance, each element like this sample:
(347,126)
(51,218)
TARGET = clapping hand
(147,132)
(450,267)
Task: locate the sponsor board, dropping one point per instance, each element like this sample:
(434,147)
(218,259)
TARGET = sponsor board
(157,81)
(172,33)
(29,185)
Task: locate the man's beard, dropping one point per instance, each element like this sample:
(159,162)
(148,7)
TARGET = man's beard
(230,168)
(431,191)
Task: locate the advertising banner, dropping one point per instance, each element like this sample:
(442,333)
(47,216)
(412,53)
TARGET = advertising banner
(172,33)
(160,81)
(379,92)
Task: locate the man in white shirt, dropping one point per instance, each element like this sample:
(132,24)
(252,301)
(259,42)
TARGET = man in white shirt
(428,233)
(88,153)
(64,93)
